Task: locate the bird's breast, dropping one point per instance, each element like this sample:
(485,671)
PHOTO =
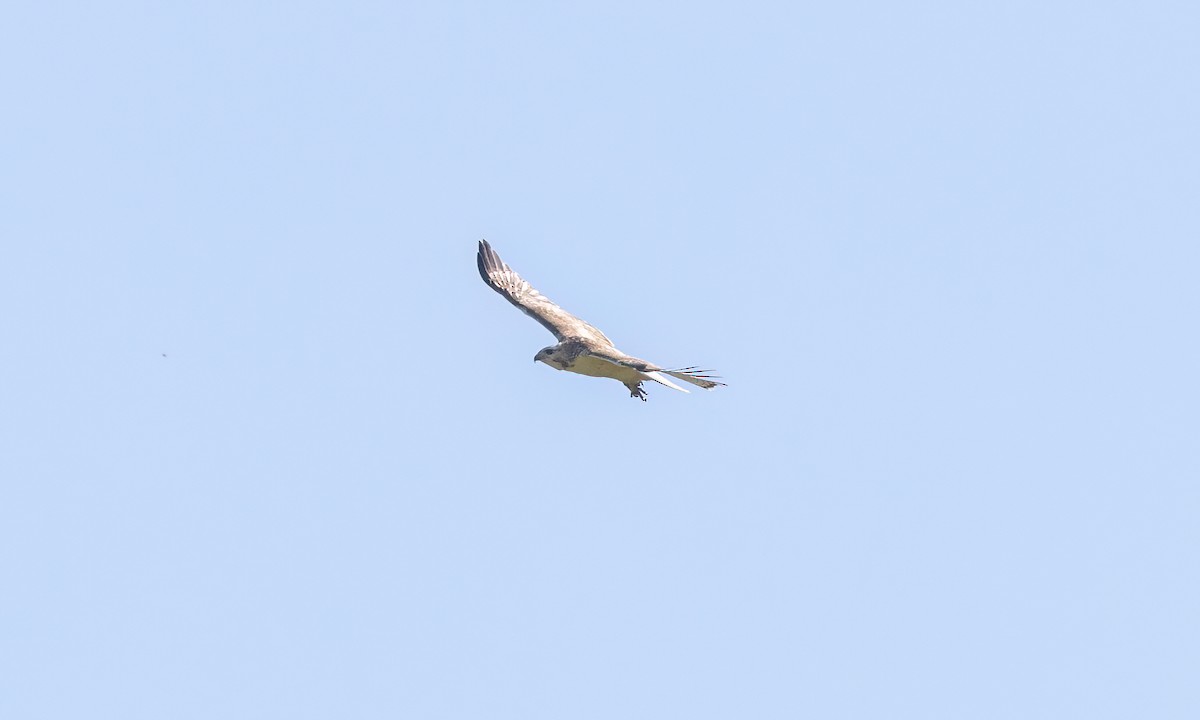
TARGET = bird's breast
(588,365)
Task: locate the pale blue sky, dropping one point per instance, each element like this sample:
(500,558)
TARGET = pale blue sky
(944,253)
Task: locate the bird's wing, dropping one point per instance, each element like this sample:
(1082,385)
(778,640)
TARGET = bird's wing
(703,378)
(623,366)
(504,280)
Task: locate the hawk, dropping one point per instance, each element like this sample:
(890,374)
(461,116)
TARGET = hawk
(581,348)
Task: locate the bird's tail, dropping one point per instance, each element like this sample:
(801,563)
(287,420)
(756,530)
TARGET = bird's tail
(658,378)
(695,376)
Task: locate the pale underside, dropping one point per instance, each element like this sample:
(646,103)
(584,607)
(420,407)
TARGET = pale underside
(590,358)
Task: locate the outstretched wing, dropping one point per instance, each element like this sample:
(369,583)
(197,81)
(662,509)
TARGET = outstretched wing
(504,280)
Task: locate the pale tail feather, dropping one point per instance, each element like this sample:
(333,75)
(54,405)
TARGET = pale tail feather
(696,377)
(662,380)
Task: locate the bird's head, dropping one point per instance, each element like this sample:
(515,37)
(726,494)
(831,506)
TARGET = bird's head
(544,354)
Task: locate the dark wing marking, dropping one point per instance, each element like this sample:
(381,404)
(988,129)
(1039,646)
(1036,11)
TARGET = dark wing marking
(504,280)
(616,357)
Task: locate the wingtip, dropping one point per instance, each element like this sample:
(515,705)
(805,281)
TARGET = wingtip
(489,263)
(703,378)
(487,253)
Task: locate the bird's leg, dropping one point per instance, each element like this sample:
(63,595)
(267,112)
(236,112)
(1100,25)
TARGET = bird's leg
(635,390)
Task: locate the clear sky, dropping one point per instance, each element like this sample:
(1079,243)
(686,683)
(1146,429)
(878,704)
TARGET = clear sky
(945,254)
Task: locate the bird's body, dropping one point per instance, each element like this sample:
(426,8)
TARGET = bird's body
(590,358)
(581,348)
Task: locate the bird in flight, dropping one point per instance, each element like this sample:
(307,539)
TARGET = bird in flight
(581,348)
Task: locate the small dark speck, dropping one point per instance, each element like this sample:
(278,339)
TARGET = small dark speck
(164,354)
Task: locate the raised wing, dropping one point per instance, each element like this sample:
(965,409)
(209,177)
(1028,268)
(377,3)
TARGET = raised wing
(504,280)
